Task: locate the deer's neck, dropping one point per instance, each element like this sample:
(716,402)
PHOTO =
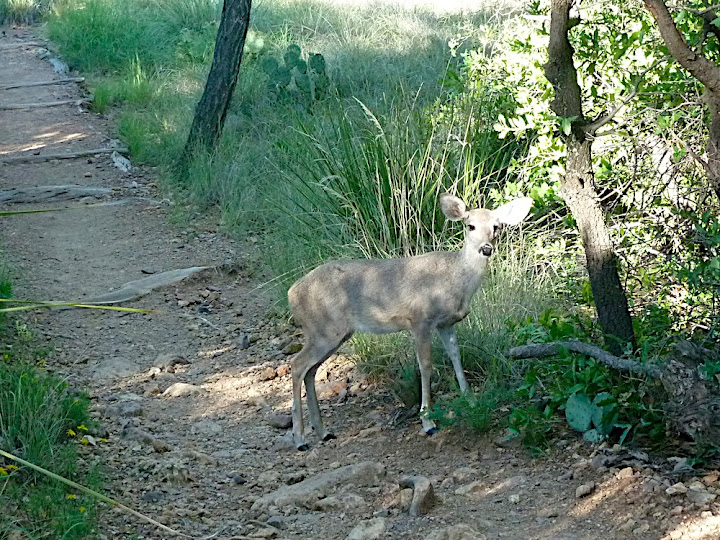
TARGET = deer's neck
(471,268)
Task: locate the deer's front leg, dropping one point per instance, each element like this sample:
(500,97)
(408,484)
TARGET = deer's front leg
(449,339)
(424,357)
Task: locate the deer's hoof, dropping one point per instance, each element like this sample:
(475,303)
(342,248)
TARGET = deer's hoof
(431,431)
(329,436)
(303,447)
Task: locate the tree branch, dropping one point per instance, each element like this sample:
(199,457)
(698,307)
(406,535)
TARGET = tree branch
(699,67)
(542,350)
(592,128)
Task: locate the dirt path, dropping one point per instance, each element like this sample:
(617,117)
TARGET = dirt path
(204,457)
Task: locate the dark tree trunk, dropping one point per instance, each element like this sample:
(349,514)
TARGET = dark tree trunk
(213,105)
(578,187)
(705,71)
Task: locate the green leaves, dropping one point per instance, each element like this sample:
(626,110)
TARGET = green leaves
(582,415)
(307,79)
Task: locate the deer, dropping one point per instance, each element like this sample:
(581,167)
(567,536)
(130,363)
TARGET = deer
(420,294)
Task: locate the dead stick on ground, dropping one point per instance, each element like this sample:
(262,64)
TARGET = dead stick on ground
(15,106)
(43,83)
(542,350)
(18,45)
(69,155)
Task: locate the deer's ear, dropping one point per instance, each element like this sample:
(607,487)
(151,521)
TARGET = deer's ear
(453,208)
(514,212)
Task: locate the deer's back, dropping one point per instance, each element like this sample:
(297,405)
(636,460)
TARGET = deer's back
(381,296)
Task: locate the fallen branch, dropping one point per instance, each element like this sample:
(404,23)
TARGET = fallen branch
(140,287)
(17,106)
(18,45)
(43,83)
(541,350)
(51,193)
(69,155)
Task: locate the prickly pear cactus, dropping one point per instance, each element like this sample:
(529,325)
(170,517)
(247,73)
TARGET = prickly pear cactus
(308,78)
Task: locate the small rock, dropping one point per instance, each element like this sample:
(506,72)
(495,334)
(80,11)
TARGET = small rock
(677,510)
(182,389)
(700,497)
(464,474)
(124,409)
(369,432)
(711,479)
(267,374)
(238,479)
(368,530)
(293,347)
(456,532)
(280,420)
(148,270)
(206,427)
(627,472)
(328,504)
(152,496)
(405,497)
(514,498)
(279,522)
(267,532)
(295,477)
(201,457)
(676,489)
(268,478)
(645,527)
(282,370)
(423,495)
(474,488)
(152,390)
(133,433)
(584,490)
(160,446)
(548,513)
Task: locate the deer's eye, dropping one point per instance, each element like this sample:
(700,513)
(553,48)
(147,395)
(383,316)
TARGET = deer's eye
(471,227)
(496,229)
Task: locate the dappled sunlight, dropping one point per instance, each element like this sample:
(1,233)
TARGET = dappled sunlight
(703,527)
(47,136)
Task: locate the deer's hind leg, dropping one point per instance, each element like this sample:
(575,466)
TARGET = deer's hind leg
(424,357)
(316,350)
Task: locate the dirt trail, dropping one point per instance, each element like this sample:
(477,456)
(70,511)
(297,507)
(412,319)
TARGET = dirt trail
(204,457)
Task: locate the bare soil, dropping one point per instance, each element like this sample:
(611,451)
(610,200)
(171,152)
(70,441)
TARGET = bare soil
(200,462)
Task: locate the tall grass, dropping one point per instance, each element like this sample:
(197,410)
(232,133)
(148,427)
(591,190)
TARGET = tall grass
(36,413)
(23,11)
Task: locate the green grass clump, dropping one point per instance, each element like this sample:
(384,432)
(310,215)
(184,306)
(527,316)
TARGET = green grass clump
(23,11)
(41,421)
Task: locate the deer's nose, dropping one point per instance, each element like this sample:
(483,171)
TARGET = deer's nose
(486,250)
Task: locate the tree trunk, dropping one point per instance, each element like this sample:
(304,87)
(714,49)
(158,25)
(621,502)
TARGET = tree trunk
(578,191)
(578,186)
(213,105)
